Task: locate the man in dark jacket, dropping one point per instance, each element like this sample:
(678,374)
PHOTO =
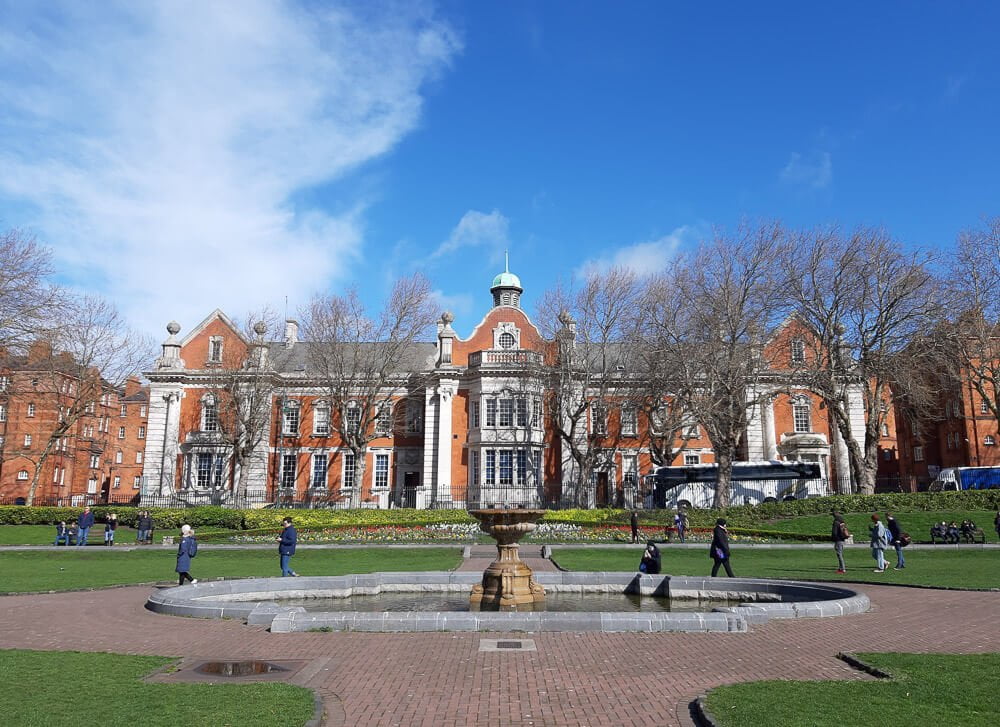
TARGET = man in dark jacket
(720,548)
(286,546)
(84,523)
(895,531)
(840,536)
(634,524)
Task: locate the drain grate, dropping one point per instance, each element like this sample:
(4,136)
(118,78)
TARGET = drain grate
(507,645)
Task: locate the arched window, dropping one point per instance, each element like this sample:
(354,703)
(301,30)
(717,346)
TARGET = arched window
(383,424)
(321,419)
(802,415)
(798,351)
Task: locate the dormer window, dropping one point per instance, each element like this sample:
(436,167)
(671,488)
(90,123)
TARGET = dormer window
(215,349)
(798,351)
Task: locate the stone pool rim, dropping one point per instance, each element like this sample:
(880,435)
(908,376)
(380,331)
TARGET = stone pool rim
(228,599)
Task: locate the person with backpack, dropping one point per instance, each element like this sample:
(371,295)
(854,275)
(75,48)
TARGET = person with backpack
(840,535)
(187,550)
(879,541)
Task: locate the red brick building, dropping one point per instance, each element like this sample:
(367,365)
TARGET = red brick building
(60,426)
(468,420)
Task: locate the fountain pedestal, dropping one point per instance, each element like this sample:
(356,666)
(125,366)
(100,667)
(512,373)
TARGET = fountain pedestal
(508,582)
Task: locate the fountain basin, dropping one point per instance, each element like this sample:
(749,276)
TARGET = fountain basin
(256,600)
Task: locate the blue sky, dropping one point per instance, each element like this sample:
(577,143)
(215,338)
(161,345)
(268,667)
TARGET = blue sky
(180,156)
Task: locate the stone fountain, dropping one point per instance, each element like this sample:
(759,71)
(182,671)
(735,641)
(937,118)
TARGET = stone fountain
(508,583)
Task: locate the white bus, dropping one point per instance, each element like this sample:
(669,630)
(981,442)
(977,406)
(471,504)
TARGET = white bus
(751,483)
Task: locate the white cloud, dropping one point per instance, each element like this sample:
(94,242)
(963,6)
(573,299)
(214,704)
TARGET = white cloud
(643,258)
(160,146)
(814,171)
(477,229)
(460,303)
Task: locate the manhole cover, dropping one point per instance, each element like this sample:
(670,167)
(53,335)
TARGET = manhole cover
(507,645)
(239,668)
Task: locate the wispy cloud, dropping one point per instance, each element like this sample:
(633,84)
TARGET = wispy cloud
(460,303)
(158,145)
(643,258)
(478,229)
(953,86)
(814,170)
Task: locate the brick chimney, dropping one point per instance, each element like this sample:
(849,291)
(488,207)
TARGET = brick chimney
(39,351)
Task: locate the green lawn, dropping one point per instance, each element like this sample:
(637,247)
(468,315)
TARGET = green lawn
(72,568)
(926,689)
(917,524)
(948,567)
(42,688)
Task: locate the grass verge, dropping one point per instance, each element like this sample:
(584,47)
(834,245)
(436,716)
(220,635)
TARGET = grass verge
(926,689)
(72,569)
(41,688)
(951,568)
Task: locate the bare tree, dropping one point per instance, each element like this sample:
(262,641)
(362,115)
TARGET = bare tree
(241,386)
(971,346)
(590,375)
(868,300)
(363,363)
(97,352)
(717,309)
(29,303)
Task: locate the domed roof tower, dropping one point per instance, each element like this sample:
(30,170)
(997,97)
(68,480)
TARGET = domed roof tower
(506,287)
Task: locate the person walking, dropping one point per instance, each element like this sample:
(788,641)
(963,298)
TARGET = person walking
(286,546)
(109,529)
(840,535)
(719,550)
(895,537)
(84,523)
(879,541)
(187,550)
(681,523)
(633,521)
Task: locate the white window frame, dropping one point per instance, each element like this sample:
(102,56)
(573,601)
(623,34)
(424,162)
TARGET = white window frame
(118,457)
(290,418)
(124,410)
(984,407)
(215,346)
(918,453)
(31,409)
(136,482)
(798,351)
(474,414)
(692,458)
(319,482)
(121,432)
(22,475)
(3,413)
(630,421)
(630,469)
(380,479)
(474,467)
(989,440)
(348,470)
(321,419)
(801,416)
(383,420)
(95,461)
(352,416)
(598,418)
(491,412)
(138,457)
(141,434)
(116,485)
(27,440)
(209,414)
(289,471)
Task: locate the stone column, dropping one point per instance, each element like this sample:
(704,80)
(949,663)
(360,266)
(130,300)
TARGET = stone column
(446,391)
(767,424)
(162,440)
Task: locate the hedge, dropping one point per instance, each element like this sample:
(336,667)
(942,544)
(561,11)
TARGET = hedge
(741,516)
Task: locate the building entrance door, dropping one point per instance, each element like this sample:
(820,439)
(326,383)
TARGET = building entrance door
(411,481)
(601,495)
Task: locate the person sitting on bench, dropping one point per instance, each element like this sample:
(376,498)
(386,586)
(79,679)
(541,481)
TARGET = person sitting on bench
(953,532)
(62,533)
(939,531)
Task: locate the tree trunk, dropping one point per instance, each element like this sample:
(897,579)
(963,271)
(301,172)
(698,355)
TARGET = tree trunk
(30,500)
(359,478)
(725,460)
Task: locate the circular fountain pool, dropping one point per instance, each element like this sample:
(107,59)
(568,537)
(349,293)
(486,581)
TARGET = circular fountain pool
(264,601)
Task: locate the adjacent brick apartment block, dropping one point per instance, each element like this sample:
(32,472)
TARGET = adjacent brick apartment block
(61,432)
(468,419)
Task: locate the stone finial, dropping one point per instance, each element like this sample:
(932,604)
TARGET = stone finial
(447,317)
(565,318)
(173,328)
(260,328)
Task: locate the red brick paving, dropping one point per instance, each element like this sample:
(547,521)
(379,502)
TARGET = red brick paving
(591,679)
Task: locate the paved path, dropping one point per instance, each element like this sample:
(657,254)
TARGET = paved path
(442,679)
